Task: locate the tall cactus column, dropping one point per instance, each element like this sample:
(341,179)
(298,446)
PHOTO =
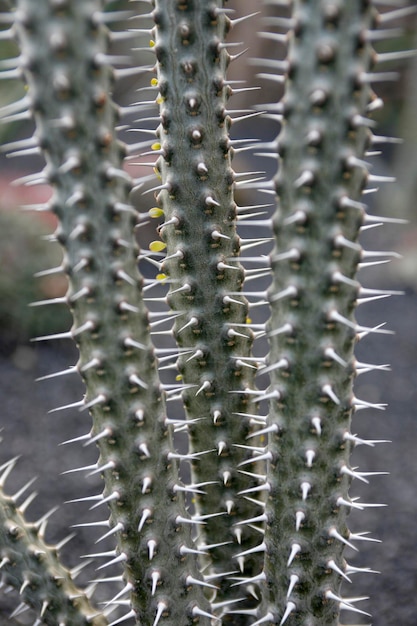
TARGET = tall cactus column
(69,82)
(202,261)
(312,328)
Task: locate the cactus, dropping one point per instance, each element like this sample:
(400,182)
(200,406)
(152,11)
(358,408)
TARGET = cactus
(257,534)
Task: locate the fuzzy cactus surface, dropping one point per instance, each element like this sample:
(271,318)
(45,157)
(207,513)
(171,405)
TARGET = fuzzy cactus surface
(248,524)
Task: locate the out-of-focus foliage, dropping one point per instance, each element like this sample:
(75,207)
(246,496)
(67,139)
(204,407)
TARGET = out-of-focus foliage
(23,252)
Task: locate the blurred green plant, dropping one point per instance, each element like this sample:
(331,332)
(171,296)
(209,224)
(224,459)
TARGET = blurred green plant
(23,252)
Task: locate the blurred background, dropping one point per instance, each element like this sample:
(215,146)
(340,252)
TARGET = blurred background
(34,435)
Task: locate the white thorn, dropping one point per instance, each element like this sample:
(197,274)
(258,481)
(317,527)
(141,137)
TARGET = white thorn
(254,579)
(146,483)
(310,456)
(362,537)
(299,518)
(293,581)
(328,391)
(67,406)
(333,532)
(123,618)
(305,489)
(146,513)
(269,617)
(295,549)
(205,386)
(253,520)
(113,496)
(331,353)
(119,559)
(260,548)
(288,610)
(156,576)
(331,564)
(346,603)
(350,569)
(119,527)
(144,449)
(238,535)
(128,587)
(185,550)
(197,611)
(162,606)
(190,580)
(316,423)
(151,548)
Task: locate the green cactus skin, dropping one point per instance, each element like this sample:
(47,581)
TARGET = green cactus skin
(69,81)
(206,277)
(33,568)
(314,292)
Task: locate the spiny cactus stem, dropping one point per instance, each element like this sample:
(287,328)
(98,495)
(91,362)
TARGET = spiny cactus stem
(75,120)
(313,295)
(202,262)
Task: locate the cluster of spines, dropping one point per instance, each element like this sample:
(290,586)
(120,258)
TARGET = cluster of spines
(70,79)
(322,175)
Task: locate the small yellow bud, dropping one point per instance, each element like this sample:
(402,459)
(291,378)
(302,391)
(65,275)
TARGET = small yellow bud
(157,246)
(155,212)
